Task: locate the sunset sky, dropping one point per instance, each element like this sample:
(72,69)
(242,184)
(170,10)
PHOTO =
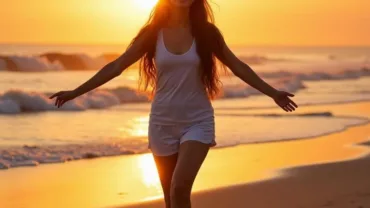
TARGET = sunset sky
(243,22)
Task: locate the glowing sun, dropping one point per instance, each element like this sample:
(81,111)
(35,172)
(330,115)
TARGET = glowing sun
(146,4)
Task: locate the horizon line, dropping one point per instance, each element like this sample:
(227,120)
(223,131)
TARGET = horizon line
(231,45)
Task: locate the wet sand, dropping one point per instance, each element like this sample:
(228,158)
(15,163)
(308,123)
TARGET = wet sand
(343,184)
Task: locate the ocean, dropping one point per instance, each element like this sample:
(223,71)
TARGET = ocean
(113,119)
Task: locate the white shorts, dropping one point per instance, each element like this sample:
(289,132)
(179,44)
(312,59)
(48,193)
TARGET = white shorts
(165,140)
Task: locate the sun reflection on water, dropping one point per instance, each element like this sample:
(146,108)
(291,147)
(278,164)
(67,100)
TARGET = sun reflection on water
(137,127)
(140,128)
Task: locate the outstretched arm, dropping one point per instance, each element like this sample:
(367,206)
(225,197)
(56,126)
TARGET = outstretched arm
(245,73)
(107,73)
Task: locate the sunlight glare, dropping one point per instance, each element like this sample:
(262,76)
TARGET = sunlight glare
(149,171)
(140,128)
(146,4)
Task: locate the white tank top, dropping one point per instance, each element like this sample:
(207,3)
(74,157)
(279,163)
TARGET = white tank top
(180,95)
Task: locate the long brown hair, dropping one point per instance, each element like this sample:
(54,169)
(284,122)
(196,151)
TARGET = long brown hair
(208,38)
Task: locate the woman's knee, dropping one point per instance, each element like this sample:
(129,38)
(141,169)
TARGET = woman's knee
(180,190)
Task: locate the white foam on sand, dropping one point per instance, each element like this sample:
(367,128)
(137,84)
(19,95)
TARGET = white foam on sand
(19,156)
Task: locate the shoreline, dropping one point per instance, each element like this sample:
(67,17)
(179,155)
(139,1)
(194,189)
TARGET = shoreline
(92,157)
(123,180)
(267,111)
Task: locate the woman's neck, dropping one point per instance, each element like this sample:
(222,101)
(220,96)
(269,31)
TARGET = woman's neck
(179,17)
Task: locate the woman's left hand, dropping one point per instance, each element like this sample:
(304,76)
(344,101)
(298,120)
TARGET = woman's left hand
(282,99)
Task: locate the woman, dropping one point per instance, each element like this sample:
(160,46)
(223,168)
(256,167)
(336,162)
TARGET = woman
(178,48)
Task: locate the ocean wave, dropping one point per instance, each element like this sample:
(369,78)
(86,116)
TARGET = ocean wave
(243,90)
(17,101)
(53,62)
(76,61)
(320,75)
(60,61)
(28,63)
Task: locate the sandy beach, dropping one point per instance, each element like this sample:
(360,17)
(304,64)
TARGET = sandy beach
(341,184)
(327,171)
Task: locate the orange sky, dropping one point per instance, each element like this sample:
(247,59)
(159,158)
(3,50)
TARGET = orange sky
(247,22)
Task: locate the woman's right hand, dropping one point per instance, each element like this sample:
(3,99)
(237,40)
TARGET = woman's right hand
(63,97)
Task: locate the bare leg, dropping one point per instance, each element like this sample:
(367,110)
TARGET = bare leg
(166,166)
(191,157)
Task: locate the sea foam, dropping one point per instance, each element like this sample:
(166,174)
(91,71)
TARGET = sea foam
(26,155)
